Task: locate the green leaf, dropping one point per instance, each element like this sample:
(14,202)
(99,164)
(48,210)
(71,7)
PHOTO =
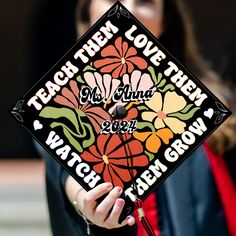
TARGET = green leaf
(91,140)
(73,137)
(142,125)
(80,80)
(162,83)
(141,108)
(170,87)
(56,113)
(82,129)
(153,75)
(186,109)
(81,113)
(89,68)
(69,135)
(150,155)
(185,116)
(159,77)
(59,124)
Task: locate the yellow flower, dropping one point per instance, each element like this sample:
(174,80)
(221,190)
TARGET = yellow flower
(161,108)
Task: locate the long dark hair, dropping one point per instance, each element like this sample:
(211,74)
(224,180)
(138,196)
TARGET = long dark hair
(177,26)
(178,38)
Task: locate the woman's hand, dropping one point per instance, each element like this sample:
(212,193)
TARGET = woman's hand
(104,214)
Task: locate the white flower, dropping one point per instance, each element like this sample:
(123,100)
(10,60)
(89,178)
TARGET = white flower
(106,85)
(138,81)
(160,109)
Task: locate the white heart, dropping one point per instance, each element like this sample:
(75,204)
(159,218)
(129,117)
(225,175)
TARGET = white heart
(37,125)
(209,113)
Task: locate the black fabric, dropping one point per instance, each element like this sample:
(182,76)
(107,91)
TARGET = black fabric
(230,159)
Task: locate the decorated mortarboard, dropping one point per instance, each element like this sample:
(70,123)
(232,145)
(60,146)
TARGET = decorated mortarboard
(119,108)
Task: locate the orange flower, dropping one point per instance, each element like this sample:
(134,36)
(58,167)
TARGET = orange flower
(153,140)
(115,158)
(119,59)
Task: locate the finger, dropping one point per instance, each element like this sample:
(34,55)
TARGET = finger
(130,220)
(106,205)
(112,220)
(89,202)
(97,192)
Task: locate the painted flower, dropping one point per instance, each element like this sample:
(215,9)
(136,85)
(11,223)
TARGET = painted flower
(96,115)
(161,108)
(119,59)
(138,81)
(104,83)
(69,98)
(153,140)
(115,159)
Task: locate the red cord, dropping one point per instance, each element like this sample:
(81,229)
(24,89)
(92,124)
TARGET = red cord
(143,218)
(138,202)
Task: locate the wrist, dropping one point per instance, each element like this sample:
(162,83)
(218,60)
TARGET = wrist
(76,200)
(76,206)
(72,189)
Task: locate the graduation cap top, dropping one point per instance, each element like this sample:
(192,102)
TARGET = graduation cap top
(118,107)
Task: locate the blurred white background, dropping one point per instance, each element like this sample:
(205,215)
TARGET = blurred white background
(23,209)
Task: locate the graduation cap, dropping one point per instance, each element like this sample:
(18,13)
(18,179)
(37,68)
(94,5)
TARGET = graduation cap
(119,108)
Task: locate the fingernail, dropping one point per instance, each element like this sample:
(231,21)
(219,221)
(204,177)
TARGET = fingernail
(120,202)
(118,189)
(109,186)
(130,220)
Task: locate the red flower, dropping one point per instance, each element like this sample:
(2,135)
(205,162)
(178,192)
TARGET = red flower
(119,59)
(96,115)
(69,98)
(115,158)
